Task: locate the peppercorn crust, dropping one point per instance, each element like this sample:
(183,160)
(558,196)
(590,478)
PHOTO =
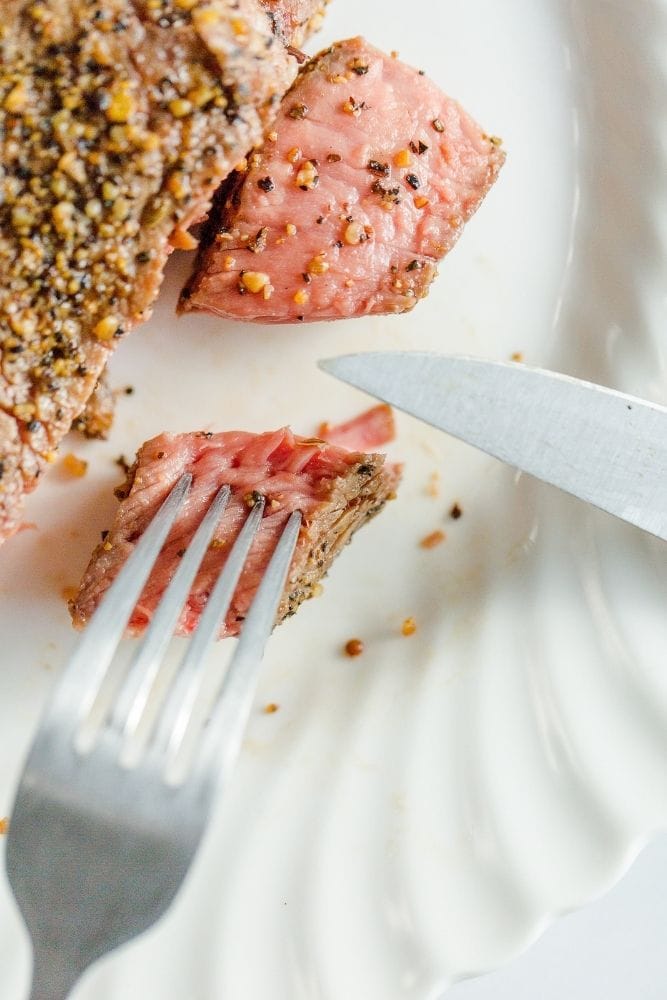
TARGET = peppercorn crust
(118,119)
(96,420)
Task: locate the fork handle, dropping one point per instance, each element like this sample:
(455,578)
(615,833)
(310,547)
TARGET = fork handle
(54,975)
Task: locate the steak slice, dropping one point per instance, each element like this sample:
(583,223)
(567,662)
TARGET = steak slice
(296,20)
(366,182)
(337,491)
(118,119)
(96,419)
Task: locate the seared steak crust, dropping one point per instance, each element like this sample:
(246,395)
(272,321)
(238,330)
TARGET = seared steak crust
(118,118)
(335,489)
(97,418)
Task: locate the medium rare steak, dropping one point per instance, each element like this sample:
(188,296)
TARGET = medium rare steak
(118,118)
(364,183)
(337,491)
(295,20)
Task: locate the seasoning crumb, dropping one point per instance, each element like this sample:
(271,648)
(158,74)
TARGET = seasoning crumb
(433,540)
(456,512)
(123,463)
(433,487)
(255,281)
(517,356)
(318,265)
(353,107)
(271,708)
(307,177)
(298,111)
(354,647)
(4,826)
(438,125)
(382,169)
(252,499)
(409,627)
(74,466)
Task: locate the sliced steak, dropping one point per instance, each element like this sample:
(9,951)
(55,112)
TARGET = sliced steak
(296,20)
(337,491)
(365,183)
(117,121)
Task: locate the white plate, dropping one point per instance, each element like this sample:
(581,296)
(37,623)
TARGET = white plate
(418,814)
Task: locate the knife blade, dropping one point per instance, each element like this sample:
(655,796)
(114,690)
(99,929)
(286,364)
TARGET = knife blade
(605,447)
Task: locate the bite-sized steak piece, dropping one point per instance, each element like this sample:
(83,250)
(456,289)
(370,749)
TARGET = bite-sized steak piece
(364,183)
(118,119)
(372,429)
(296,20)
(336,490)
(96,419)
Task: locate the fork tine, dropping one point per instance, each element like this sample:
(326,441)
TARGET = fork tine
(89,664)
(145,666)
(223,736)
(177,711)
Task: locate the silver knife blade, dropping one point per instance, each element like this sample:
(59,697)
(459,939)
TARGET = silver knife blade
(600,445)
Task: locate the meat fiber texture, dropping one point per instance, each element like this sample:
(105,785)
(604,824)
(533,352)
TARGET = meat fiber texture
(336,489)
(118,120)
(363,184)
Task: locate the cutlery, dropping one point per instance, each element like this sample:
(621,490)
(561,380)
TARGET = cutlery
(98,847)
(603,446)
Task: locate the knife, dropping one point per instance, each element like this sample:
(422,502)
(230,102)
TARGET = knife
(600,445)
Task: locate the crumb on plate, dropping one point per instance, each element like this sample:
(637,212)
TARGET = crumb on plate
(409,627)
(354,647)
(433,540)
(456,512)
(74,466)
(433,485)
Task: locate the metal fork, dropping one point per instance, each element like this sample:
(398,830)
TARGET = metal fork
(98,849)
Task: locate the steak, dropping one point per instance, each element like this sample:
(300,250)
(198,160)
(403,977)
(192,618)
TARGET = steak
(118,119)
(337,490)
(365,182)
(295,20)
